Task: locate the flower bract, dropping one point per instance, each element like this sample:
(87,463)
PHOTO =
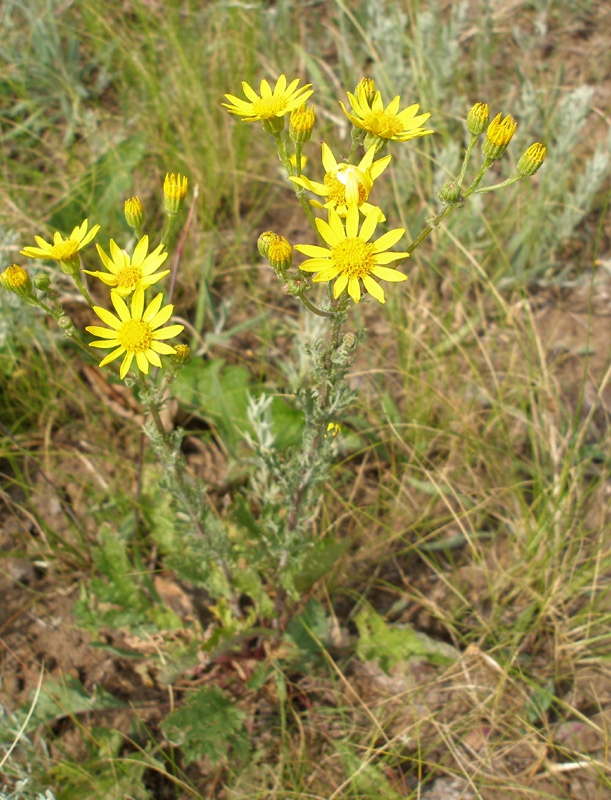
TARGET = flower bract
(385,123)
(126,274)
(135,332)
(351,257)
(268,104)
(346,184)
(63,250)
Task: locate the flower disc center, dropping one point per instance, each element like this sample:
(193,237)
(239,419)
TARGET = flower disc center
(267,107)
(128,277)
(64,251)
(135,335)
(353,257)
(382,124)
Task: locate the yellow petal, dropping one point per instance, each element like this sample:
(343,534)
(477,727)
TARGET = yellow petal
(108,317)
(354,289)
(111,356)
(390,275)
(374,289)
(127,362)
(340,285)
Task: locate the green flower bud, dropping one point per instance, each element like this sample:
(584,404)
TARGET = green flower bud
(42,282)
(477,119)
(134,212)
(450,193)
(531,160)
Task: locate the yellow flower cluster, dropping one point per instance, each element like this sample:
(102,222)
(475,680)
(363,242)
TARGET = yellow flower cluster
(135,332)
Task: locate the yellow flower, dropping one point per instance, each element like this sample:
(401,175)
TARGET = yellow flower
(301,124)
(477,119)
(63,250)
(135,332)
(385,123)
(269,104)
(174,192)
(14,278)
(346,184)
(351,257)
(498,136)
(531,159)
(126,274)
(134,212)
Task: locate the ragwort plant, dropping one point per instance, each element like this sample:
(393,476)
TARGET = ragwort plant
(278,546)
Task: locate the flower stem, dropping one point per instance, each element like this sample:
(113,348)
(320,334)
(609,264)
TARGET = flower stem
(494,187)
(468,152)
(314,309)
(299,190)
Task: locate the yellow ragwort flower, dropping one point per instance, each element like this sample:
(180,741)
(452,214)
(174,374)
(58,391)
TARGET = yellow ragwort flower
(269,104)
(345,184)
(134,212)
(135,332)
(351,257)
(302,123)
(174,192)
(126,274)
(385,123)
(15,278)
(498,136)
(477,118)
(531,159)
(280,253)
(62,250)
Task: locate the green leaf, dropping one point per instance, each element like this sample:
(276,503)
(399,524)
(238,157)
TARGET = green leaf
(208,724)
(67,699)
(394,645)
(320,560)
(309,630)
(218,393)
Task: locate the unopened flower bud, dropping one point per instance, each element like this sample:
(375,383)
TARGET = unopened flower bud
(296,286)
(174,191)
(273,125)
(498,136)
(42,282)
(365,90)
(15,279)
(66,324)
(182,354)
(477,119)
(301,124)
(349,341)
(280,254)
(134,212)
(450,193)
(264,241)
(332,430)
(531,160)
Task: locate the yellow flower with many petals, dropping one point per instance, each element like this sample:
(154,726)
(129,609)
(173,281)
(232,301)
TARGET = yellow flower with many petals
(385,123)
(126,274)
(351,257)
(63,250)
(346,184)
(136,332)
(282,100)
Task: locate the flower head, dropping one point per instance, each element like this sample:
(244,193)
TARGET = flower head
(63,250)
(135,332)
(16,279)
(369,89)
(381,123)
(477,119)
(346,184)
(302,123)
(531,159)
(269,104)
(126,274)
(134,212)
(498,136)
(174,192)
(351,257)
(280,254)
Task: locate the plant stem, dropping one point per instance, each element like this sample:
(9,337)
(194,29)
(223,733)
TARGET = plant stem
(469,150)
(314,309)
(299,190)
(431,225)
(508,182)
